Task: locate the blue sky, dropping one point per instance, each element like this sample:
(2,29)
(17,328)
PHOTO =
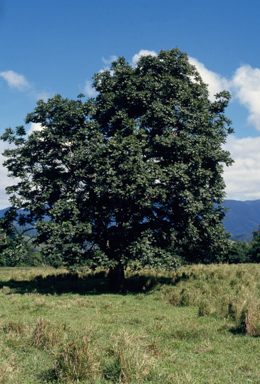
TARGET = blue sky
(55,47)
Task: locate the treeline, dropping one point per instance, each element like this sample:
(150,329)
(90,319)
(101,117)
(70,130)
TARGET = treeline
(243,252)
(14,253)
(17,250)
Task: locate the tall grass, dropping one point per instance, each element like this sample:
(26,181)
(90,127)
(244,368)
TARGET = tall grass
(198,325)
(226,291)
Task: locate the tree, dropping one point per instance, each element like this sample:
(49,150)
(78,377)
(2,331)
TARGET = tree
(15,248)
(129,173)
(255,246)
(239,252)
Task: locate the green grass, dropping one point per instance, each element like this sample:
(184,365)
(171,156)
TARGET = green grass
(200,325)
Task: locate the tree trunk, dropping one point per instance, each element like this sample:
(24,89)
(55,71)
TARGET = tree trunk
(116,276)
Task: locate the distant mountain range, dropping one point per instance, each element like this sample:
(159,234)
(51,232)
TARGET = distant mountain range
(241,220)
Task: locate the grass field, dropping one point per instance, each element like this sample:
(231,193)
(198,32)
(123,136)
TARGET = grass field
(199,325)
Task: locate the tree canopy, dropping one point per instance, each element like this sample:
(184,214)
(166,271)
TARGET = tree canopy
(254,252)
(129,174)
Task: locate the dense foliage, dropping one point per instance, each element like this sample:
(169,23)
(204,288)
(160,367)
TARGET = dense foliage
(17,250)
(239,252)
(130,174)
(255,247)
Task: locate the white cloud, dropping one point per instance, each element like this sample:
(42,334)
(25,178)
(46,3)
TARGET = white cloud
(41,95)
(34,127)
(5,180)
(107,63)
(216,83)
(110,60)
(246,86)
(19,82)
(15,80)
(242,178)
(89,90)
(142,52)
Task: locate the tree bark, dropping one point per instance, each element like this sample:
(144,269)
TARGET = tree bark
(117,276)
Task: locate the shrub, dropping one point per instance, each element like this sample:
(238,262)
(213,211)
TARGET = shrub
(13,326)
(239,252)
(205,308)
(75,361)
(249,320)
(46,334)
(129,360)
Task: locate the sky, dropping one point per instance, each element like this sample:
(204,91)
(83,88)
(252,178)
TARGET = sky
(53,47)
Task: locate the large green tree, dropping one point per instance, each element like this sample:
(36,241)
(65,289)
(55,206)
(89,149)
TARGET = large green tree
(130,173)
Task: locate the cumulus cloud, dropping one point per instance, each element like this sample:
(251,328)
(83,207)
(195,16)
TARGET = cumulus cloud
(216,83)
(15,80)
(246,87)
(110,60)
(242,178)
(142,52)
(20,83)
(5,180)
(89,90)
(41,95)
(108,63)
(34,127)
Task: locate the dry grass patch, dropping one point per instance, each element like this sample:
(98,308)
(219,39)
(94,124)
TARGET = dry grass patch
(8,365)
(15,326)
(227,291)
(76,361)
(85,303)
(47,335)
(7,370)
(248,319)
(205,308)
(131,359)
(6,289)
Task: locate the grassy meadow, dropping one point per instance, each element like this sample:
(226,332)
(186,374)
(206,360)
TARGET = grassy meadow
(198,325)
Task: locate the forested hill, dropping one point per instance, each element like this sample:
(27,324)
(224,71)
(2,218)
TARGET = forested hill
(243,217)
(2,212)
